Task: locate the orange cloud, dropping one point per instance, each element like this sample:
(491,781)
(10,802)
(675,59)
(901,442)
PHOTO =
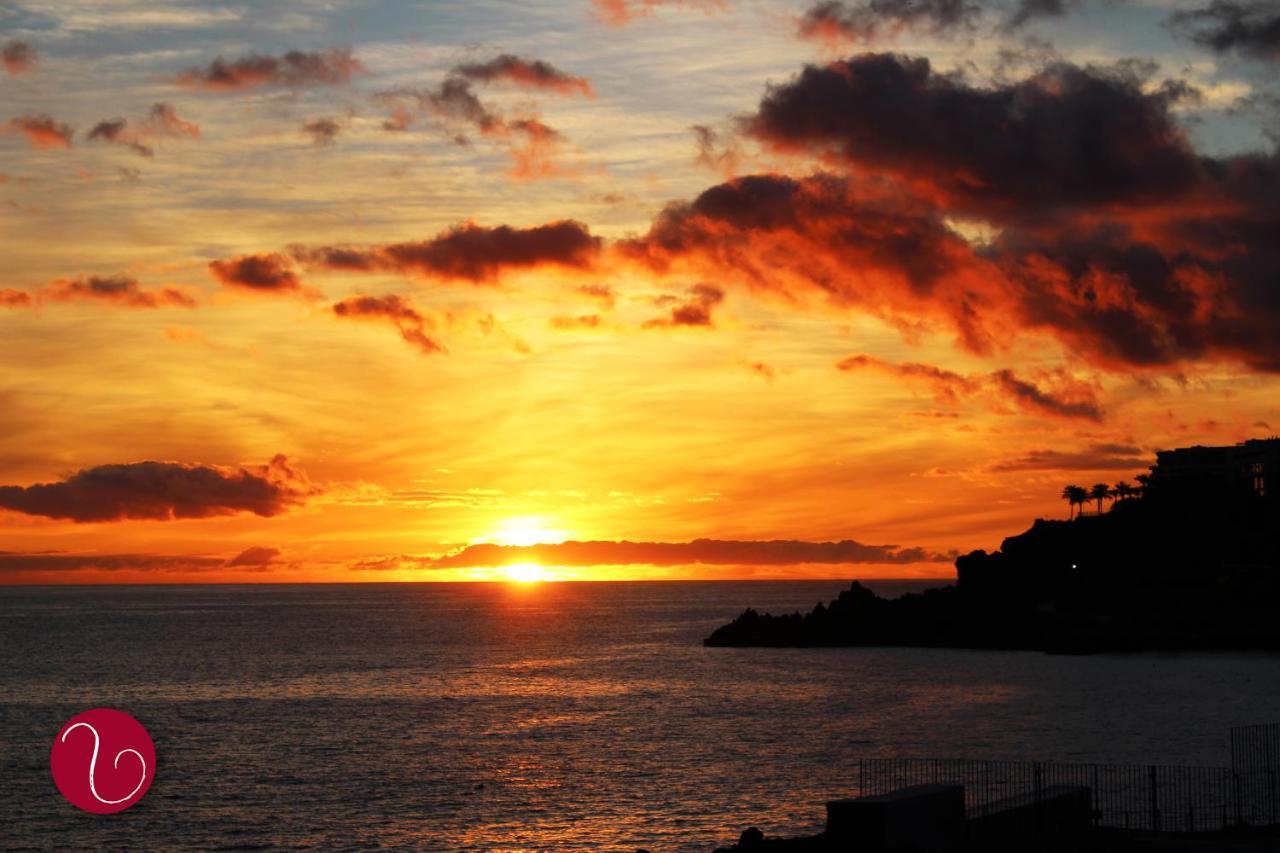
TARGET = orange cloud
(532,144)
(11,298)
(583,321)
(694,310)
(162,121)
(619,13)
(118,289)
(946,385)
(256,557)
(265,272)
(1064,396)
(295,69)
(530,73)
(835,23)
(858,243)
(18,57)
(411,323)
(42,131)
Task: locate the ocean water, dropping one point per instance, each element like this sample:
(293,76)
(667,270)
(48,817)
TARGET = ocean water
(568,716)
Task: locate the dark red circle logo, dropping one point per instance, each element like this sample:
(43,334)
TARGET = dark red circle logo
(103,761)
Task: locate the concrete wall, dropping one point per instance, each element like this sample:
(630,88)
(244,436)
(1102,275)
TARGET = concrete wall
(923,818)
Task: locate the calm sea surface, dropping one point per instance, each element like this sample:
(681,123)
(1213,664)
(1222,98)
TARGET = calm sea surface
(552,717)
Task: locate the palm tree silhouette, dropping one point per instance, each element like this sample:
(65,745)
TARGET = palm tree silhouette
(1100,492)
(1075,495)
(1122,490)
(1069,495)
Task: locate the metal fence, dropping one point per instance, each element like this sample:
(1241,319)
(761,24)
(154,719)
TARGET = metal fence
(1151,798)
(1255,748)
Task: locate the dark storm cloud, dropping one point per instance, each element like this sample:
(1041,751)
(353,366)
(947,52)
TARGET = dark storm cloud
(1248,28)
(162,491)
(1198,286)
(1063,138)
(468,252)
(1107,229)
(294,69)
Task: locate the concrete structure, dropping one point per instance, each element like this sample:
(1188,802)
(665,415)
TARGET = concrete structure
(923,818)
(1060,812)
(1251,466)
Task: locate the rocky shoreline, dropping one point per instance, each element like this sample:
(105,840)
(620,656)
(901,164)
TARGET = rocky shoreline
(1153,574)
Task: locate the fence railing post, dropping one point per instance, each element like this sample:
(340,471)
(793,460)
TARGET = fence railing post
(1271,780)
(1039,795)
(1199,799)
(1235,777)
(1155,801)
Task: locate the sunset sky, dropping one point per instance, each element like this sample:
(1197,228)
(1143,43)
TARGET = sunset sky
(357,290)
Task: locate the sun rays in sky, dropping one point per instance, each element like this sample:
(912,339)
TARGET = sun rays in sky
(379,290)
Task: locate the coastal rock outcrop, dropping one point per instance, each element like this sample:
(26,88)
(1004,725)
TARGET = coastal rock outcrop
(1176,569)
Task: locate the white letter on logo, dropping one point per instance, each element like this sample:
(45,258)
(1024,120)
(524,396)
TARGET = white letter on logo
(93,763)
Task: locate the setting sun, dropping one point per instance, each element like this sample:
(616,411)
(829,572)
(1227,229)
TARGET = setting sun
(526,572)
(525,530)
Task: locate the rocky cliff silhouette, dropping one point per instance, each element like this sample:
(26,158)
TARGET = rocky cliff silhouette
(1192,564)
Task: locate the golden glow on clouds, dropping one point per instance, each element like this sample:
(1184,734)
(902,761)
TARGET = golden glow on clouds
(526,573)
(524,530)
(533,428)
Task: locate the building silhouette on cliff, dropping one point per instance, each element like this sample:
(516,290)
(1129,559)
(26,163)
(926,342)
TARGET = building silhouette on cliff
(1251,467)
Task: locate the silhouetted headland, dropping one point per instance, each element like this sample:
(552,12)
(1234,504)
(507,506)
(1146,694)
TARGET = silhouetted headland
(1188,559)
